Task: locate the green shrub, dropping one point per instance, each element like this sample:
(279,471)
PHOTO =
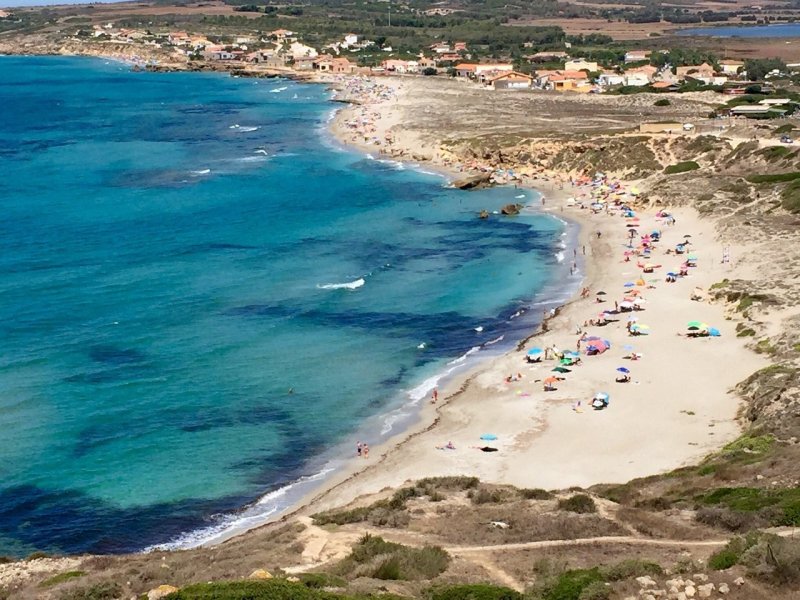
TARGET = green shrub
(662,102)
(375,557)
(37,555)
(61,577)
(774,177)
(274,589)
(790,197)
(479,591)
(4,560)
(320,580)
(723,559)
(451,483)
(628,569)
(775,152)
(579,503)
(106,590)
(732,552)
(569,585)
(784,128)
(681,167)
(535,494)
(597,590)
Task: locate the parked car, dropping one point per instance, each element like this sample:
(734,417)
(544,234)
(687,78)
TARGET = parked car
(785,139)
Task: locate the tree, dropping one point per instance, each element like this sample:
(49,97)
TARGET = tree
(757,68)
(429,71)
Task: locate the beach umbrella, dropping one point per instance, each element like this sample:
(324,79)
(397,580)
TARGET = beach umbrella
(672,274)
(601,293)
(572,354)
(534,351)
(623,370)
(550,379)
(562,370)
(687,236)
(714,332)
(489,437)
(602,396)
(629,284)
(694,324)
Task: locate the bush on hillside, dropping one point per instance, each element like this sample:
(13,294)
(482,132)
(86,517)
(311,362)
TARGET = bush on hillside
(662,102)
(374,557)
(579,503)
(681,167)
(105,590)
(479,591)
(273,589)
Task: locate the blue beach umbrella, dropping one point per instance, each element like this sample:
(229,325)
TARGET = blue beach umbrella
(628,284)
(488,437)
(714,332)
(623,370)
(534,351)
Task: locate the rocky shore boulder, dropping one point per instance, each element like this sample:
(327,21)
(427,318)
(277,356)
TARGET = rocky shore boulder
(511,209)
(473,181)
(161,591)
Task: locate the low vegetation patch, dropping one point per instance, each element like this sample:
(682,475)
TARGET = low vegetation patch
(773,153)
(579,503)
(105,590)
(681,167)
(61,578)
(535,494)
(662,102)
(477,591)
(774,177)
(568,585)
(375,557)
(779,507)
(274,589)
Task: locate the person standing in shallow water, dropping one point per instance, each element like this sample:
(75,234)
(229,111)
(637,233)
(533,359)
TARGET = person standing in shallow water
(434,395)
(365,450)
(359,448)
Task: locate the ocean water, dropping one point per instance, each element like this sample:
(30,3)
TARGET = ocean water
(204,301)
(781,30)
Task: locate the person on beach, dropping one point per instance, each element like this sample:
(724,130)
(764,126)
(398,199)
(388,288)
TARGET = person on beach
(359,448)
(365,450)
(434,395)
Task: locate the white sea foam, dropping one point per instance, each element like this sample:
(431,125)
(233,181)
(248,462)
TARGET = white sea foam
(247,129)
(251,516)
(520,196)
(479,328)
(495,341)
(559,256)
(278,90)
(201,172)
(350,285)
(259,158)
(261,151)
(464,356)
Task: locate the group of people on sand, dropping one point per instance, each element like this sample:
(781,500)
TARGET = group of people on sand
(362,449)
(364,92)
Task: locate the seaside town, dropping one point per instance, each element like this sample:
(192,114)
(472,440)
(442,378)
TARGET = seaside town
(641,443)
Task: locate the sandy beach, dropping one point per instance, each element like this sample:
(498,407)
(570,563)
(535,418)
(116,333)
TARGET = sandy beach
(677,408)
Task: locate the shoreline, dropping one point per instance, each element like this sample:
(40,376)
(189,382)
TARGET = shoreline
(400,454)
(387,471)
(330,470)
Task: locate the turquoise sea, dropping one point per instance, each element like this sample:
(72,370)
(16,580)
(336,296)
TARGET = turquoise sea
(204,301)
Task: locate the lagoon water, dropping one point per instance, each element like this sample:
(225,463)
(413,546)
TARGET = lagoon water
(204,301)
(782,30)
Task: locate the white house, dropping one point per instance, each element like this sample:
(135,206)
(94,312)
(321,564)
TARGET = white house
(350,39)
(298,50)
(610,78)
(637,78)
